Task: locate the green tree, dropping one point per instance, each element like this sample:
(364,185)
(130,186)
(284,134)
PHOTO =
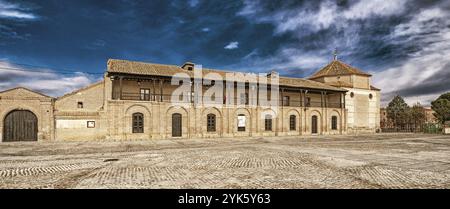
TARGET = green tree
(398,111)
(417,116)
(441,107)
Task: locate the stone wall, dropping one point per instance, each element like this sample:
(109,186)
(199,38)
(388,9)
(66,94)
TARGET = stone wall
(71,121)
(158,120)
(363,111)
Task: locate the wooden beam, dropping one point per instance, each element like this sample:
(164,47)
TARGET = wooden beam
(321,99)
(161,82)
(120,87)
(154,90)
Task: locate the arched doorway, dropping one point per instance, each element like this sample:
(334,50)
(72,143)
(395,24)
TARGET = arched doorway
(176,125)
(20,125)
(314,128)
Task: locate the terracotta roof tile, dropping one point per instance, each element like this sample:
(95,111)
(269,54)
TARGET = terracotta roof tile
(79,90)
(340,84)
(336,68)
(374,88)
(141,68)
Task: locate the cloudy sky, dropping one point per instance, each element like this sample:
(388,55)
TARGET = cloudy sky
(405,44)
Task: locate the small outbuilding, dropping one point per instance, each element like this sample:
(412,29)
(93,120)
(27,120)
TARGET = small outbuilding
(25,115)
(447,127)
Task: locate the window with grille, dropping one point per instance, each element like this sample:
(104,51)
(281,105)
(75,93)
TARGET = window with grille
(145,94)
(292,121)
(268,123)
(211,123)
(286,101)
(334,123)
(138,123)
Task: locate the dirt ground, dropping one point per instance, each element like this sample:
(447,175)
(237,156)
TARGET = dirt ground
(363,161)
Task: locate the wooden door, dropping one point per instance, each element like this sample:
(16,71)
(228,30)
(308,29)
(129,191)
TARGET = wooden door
(138,123)
(314,125)
(20,125)
(176,125)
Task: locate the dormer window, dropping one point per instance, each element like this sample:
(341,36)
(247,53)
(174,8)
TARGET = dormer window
(188,66)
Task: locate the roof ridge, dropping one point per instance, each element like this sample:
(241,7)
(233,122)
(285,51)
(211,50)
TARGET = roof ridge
(22,87)
(81,89)
(141,62)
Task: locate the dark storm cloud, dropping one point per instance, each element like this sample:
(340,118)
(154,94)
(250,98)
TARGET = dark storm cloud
(438,82)
(393,40)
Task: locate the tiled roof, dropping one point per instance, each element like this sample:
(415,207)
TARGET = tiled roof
(141,68)
(374,88)
(340,84)
(336,68)
(79,90)
(25,89)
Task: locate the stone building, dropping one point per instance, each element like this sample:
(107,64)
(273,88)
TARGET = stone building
(135,101)
(362,99)
(26,115)
(429,115)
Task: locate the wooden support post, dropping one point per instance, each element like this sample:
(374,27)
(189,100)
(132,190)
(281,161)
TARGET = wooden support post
(153,90)
(300,99)
(161,82)
(343,95)
(321,99)
(120,87)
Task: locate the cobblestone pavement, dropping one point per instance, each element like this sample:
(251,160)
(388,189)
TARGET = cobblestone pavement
(364,161)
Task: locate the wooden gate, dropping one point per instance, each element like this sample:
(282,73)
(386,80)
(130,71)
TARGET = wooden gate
(314,124)
(176,125)
(20,125)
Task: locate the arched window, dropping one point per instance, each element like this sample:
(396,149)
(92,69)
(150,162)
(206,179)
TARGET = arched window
(138,122)
(334,123)
(268,123)
(292,122)
(211,123)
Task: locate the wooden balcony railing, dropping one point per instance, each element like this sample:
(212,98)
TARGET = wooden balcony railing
(168,98)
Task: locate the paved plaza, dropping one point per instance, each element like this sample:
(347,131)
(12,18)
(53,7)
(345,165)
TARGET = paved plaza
(362,161)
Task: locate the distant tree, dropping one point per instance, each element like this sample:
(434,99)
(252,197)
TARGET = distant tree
(417,116)
(445,96)
(398,111)
(441,107)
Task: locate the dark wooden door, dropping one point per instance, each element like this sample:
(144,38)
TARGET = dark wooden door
(314,124)
(20,125)
(176,125)
(138,123)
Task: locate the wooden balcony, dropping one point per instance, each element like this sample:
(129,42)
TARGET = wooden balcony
(168,99)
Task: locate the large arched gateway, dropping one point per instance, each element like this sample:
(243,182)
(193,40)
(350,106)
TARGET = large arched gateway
(20,125)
